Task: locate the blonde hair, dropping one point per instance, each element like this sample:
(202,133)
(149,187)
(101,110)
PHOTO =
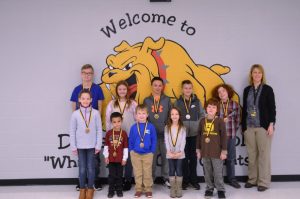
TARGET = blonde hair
(261,69)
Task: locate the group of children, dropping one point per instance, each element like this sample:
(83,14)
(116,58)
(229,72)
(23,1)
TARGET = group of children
(137,134)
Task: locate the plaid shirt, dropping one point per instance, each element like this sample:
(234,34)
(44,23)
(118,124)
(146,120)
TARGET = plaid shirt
(233,116)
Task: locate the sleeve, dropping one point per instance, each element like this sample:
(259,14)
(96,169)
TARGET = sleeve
(106,145)
(74,96)
(100,93)
(199,136)
(125,146)
(72,131)
(166,139)
(131,139)
(105,152)
(271,105)
(183,139)
(153,139)
(201,111)
(223,136)
(107,115)
(98,130)
(244,110)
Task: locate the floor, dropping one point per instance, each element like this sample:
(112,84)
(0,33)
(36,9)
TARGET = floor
(278,190)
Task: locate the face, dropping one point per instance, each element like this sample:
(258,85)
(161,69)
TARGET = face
(122,91)
(87,75)
(157,87)
(116,122)
(256,75)
(141,115)
(174,115)
(187,90)
(85,100)
(211,110)
(223,94)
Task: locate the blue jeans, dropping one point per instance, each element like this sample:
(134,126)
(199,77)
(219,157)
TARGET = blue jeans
(230,161)
(175,166)
(86,167)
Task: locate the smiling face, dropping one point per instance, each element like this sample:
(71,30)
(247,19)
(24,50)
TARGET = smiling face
(174,114)
(122,91)
(116,123)
(157,87)
(257,75)
(187,90)
(223,94)
(85,99)
(141,115)
(87,75)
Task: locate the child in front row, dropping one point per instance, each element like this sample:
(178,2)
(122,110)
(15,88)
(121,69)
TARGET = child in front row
(85,141)
(116,154)
(175,135)
(212,147)
(142,145)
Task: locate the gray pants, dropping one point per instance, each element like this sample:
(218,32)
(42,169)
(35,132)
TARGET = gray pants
(213,173)
(162,151)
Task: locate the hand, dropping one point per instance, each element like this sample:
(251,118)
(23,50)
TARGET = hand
(270,130)
(223,156)
(106,161)
(198,154)
(170,154)
(97,151)
(75,152)
(225,119)
(123,162)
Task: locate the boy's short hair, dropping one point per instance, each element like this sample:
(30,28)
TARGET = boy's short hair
(116,115)
(227,87)
(186,82)
(84,91)
(213,102)
(141,107)
(157,79)
(87,66)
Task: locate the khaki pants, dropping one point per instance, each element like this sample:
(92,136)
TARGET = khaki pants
(258,145)
(142,169)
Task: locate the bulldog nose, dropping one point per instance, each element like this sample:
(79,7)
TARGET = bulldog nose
(111,74)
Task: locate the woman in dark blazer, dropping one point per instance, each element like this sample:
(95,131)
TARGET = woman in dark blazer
(258,120)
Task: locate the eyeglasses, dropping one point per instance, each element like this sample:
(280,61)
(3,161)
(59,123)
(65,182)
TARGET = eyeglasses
(88,74)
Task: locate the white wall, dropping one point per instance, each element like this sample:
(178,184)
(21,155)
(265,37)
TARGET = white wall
(43,44)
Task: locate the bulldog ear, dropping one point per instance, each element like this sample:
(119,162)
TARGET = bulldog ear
(149,44)
(123,46)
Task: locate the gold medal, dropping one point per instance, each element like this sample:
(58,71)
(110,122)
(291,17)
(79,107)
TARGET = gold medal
(156,107)
(142,145)
(87,130)
(156,116)
(87,123)
(114,154)
(253,114)
(207,140)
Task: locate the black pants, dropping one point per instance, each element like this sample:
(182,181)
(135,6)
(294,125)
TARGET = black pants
(189,165)
(115,177)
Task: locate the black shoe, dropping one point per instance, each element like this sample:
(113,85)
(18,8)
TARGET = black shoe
(221,194)
(185,185)
(119,193)
(110,194)
(235,184)
(208,194)
(261,188)
(196,186)
(126,186)
(166,183)
(77,187)
(97,186)
(249,185)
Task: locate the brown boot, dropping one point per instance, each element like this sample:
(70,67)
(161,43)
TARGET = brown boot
(173,186)
(90,194)
(178,187)
(82,194)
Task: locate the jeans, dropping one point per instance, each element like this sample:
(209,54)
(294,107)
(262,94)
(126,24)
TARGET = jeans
(86,167)
(230,161)
(189,165)
(175,167)
(115,177)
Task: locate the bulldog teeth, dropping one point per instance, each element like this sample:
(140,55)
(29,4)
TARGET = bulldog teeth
(107,86)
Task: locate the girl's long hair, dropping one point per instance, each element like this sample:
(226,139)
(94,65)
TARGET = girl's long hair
(128,101)
(169,121)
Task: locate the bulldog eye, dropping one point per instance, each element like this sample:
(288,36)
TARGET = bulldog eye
(110,67)
(127,67)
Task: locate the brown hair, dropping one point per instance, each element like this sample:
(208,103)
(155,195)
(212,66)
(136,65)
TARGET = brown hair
(141,107)
(84,91)
(186,82)
(128,101)
(227,87)
(261,69)
(169,121)
(212,101)
(87,66)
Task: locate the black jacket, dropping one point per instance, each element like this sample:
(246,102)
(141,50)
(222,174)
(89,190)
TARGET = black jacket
(266,105)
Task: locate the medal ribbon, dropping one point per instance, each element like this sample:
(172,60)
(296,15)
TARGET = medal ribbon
(122,110)
(119,140)
(156,105)
(174,144)
(84,118)
(225,109)
(139,131)
(187,106)
(211,124)
(255,93)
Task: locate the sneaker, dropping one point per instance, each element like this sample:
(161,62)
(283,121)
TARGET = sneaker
(137,194)
(196,186)
(249,185)
(261,188)
(97,186)
(126,186)
(149,194)
(119,194)
(110,194)
(208,194)
(77,187)
(167,183)
(235,184)
(221,194)
(185,185)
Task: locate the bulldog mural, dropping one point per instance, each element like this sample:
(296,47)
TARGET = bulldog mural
(139,63)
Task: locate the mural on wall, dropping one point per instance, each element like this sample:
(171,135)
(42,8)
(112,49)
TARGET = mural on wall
(139,63)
